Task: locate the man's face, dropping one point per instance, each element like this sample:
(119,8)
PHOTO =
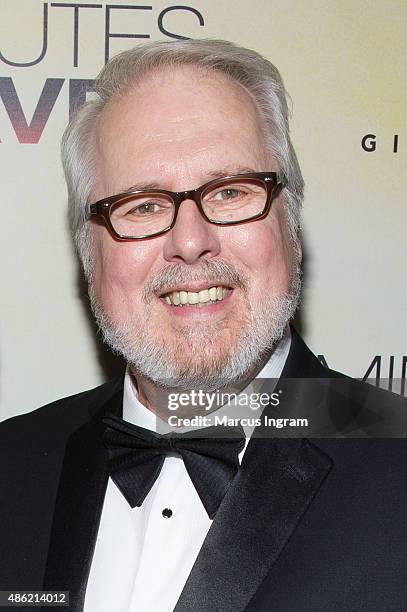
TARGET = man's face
(177,130)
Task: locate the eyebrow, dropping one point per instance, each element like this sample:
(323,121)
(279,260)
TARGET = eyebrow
(213,174)
(230,171)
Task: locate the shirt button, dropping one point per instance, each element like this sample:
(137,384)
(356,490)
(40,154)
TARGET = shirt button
(167,513)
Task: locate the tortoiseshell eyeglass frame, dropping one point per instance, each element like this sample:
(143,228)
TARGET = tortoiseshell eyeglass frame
(272,181)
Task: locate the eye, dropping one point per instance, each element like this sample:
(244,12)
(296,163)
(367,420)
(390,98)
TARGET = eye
(228,193)
(146,208)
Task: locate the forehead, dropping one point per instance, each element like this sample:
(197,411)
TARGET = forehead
(180,119)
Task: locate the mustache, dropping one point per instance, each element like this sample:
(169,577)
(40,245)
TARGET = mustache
(217,271)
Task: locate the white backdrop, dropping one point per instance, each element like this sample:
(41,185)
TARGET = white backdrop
(344,66)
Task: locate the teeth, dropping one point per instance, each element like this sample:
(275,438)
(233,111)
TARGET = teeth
(193,298)
(204,295)
(213,294)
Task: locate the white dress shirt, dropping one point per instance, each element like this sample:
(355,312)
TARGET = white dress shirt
(144,555)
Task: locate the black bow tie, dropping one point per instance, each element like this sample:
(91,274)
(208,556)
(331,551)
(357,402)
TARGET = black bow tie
(136,456)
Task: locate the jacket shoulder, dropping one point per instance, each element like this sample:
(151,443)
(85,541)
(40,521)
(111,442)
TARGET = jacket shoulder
(338,404)
(53,423)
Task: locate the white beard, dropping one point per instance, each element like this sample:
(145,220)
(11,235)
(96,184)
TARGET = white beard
(192,361)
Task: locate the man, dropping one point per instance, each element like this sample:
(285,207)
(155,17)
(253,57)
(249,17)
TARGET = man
(185,193)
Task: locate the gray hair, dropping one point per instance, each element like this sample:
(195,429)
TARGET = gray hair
(252,71)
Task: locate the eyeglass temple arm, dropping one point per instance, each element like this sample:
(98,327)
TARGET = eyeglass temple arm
(281,178)
(92,209)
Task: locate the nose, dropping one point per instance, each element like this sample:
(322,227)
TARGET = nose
(192,238)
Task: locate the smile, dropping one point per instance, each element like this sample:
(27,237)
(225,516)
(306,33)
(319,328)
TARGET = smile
(183,297)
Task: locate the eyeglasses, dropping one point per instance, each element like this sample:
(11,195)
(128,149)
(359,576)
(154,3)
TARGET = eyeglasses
(230,200)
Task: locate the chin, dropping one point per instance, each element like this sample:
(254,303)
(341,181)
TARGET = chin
(207,356)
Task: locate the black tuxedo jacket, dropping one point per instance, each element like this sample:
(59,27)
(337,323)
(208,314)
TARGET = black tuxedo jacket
(310,525)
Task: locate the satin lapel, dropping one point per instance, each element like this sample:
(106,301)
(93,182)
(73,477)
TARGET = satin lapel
(78,507)
(276,483)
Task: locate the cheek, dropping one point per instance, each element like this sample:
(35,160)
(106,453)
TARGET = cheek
(262,252)
(121,269)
